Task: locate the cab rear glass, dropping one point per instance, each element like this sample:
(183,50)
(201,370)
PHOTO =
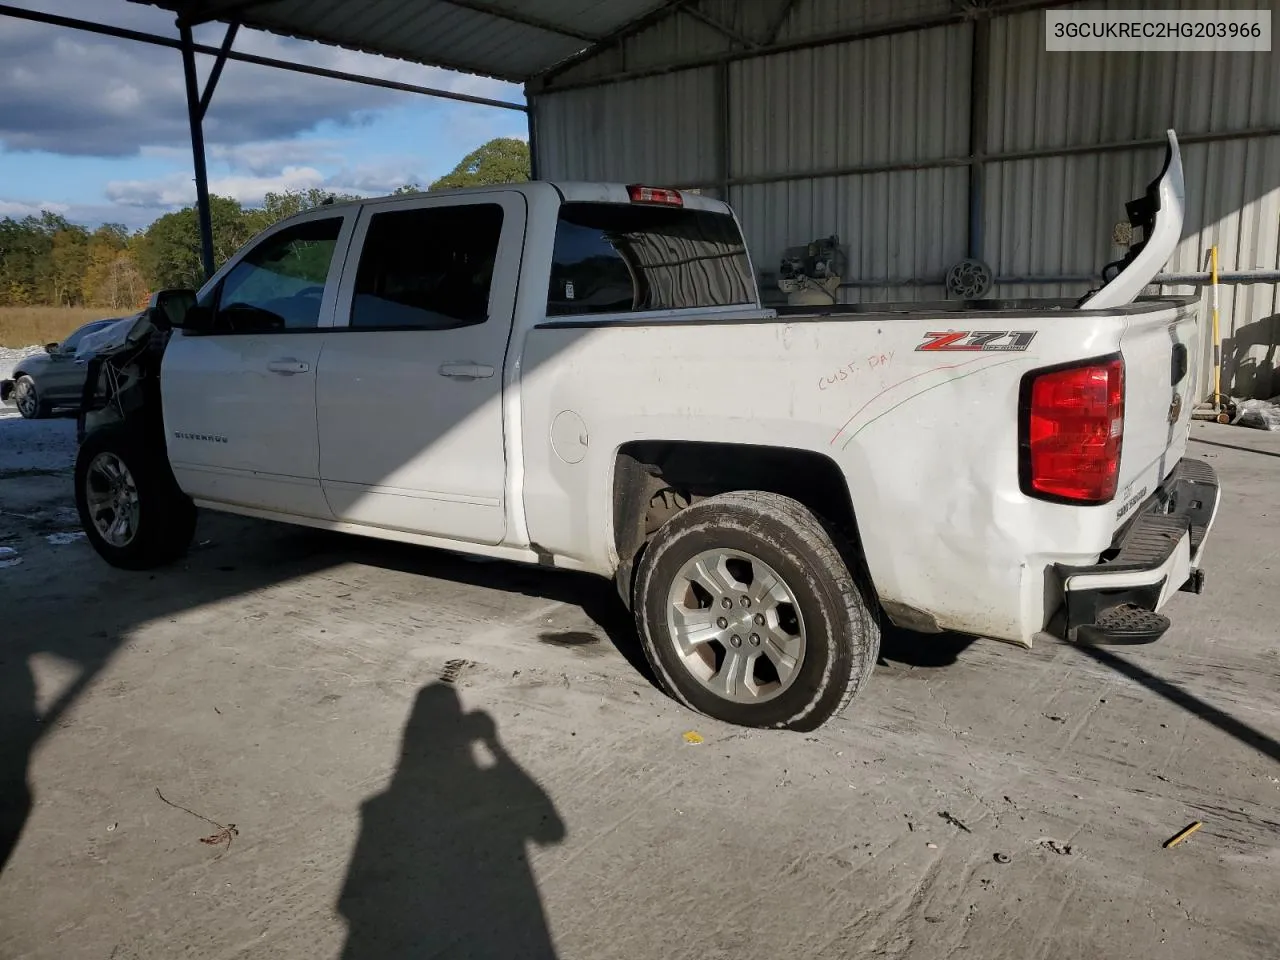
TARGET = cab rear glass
(621,258)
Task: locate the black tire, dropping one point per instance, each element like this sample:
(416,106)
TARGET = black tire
(33,409)
(841,627)
(166,517)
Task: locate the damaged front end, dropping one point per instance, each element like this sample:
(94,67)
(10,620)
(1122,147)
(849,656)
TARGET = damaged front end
(122,384)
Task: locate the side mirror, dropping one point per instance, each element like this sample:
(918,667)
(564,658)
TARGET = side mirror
(198,319)
(51,348)
(168,308)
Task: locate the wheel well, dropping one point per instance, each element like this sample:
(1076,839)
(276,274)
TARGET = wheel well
(654,480)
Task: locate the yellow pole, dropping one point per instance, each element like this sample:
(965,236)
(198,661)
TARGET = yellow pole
(1217,344)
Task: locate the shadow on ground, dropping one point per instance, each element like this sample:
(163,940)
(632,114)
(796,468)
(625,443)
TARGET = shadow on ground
(1232,726)
(441,865)
(1234,446)
(921,649)
(1251,359)
(247,556)
(596,597)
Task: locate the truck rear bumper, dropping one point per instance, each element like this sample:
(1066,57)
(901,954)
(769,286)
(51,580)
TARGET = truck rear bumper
(1118,599)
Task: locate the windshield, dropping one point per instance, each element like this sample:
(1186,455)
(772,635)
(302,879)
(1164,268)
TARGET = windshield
(73,341)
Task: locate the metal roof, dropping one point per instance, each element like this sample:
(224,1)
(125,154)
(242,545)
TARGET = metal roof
(511,40)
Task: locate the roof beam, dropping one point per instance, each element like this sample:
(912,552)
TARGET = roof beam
(219,62)
(721,28)
(659,13)
(203,12)
(195,117)
(780,21)
(524,19)
(544,84)
(123,33)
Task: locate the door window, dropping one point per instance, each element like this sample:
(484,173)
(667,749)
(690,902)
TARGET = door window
(430,268)
(279,284)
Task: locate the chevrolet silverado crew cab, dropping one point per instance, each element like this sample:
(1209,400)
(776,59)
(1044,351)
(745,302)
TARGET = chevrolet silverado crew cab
(582,376)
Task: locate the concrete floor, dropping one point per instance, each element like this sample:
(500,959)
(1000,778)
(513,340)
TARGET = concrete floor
(467,757)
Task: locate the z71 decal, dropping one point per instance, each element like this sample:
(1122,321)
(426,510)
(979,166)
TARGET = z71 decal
(974,340)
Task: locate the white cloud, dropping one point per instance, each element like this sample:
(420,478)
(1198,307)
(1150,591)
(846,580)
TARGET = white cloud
(25,208)
(178,190)
(70,93)
(76,94)
(266,156)
(251,190)
(374,179)
(174,190)
(260,156)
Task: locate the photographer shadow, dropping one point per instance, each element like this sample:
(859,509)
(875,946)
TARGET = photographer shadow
(440,868)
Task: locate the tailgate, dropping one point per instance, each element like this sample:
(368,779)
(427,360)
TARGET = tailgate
(1161,360)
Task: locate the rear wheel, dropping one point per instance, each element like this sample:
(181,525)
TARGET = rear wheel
(748,613)
(27,399)
(130,506)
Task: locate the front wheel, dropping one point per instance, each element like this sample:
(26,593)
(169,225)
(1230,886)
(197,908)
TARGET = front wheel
(130,506)
(748,613)
(27,399)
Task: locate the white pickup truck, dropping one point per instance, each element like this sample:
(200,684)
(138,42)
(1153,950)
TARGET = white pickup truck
(582,376)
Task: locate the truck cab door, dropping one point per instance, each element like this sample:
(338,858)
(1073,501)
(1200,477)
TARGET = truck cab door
(410,388)
(240,399)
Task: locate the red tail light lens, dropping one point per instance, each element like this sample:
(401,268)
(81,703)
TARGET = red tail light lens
(639,194)
(1072,427)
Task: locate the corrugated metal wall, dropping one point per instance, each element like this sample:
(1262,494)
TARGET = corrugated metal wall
(806,134)
(659,129)
(869,103)
(1053,216)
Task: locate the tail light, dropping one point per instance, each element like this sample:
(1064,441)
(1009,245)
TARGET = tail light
(639,194)
(1071,430)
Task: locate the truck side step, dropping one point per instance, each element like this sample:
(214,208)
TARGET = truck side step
(1127,623)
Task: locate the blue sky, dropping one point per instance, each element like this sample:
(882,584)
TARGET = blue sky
(95,128)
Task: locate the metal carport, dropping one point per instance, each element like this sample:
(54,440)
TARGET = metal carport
(499,40)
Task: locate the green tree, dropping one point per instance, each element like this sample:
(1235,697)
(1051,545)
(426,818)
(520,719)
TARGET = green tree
(46,259)
(68,256)
(41,260)
(277,206)
(112,277)
(171,252)
(501,160)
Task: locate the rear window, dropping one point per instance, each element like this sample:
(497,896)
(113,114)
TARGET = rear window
(618,258)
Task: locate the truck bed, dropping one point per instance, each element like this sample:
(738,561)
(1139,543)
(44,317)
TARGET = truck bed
(918,404)
(970,309)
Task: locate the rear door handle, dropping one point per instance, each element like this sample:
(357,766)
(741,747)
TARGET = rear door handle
(1178,364)
(466,370)
(288,366)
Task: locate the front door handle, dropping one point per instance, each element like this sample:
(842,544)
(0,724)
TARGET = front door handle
(288,366)
(466,370)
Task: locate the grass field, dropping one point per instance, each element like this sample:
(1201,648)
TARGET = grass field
(24,326)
